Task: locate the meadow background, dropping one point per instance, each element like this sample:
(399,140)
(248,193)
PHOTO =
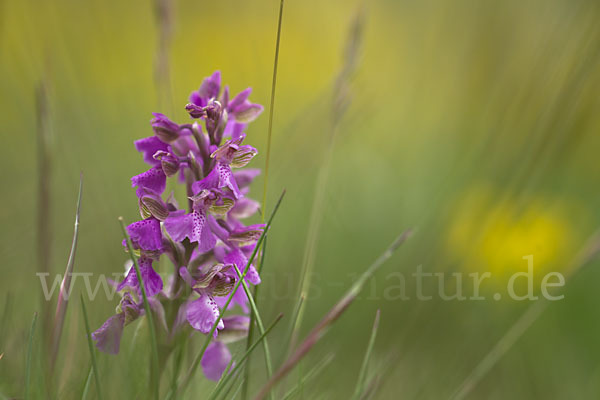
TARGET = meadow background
(475,122)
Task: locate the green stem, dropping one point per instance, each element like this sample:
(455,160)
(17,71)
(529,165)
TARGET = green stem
(259,322)
(271,109)
(91,348)
(360,383)
(29,351)
(251,325)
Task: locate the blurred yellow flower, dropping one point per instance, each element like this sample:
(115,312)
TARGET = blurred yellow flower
(492,232)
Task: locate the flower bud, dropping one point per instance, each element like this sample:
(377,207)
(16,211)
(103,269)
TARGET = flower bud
(165,129)
(195,111)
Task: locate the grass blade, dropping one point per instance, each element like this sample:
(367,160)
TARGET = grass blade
(243,359)
(154,343)
(292,326)
(319,330)
(316,370)
(237,391)
(360,383)
(6,316)
(250,336)
(261,327)
(44,201)
(65,285)
(340,103)
(208,339)
(28,360)
(86,386)
(92,350)
(177,365)
(272,108)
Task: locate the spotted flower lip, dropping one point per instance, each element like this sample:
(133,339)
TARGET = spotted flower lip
(153,179)
(202,235)
(203,312)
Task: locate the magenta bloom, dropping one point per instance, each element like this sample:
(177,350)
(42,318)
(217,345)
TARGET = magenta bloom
(152,281)
(202,234)
(108,336)
(215,360)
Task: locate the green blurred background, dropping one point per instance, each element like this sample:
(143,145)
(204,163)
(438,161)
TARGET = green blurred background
(475,122)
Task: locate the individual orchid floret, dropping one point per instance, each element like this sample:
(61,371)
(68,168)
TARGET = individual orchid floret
(242,110)
(203,312)
(149,146)
(180,225)
(234,153)
(146,234)
(169,162)
(152,280)
(209,89)
(153,179)
(244,177)
(234,114)
(164,129)
(217,355)
(215,360)
(108,336)
(243,208)
(239,257)
(231,154)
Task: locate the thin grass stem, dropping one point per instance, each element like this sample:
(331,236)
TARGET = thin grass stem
(65,286)
(340,104)
(272,108)
(245,357)
(259,322)
(44,200)
(86,386)
(334,313)
(250,337)
(28,360)
(360,383)
(91,349)
(316,370)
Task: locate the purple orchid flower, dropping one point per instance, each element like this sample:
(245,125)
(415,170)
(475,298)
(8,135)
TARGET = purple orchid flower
(203,312)
(240,108)
(217,356)
(152,281)
(231,155)
(145,234)
(208,237)
(180,225)
(108,336)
